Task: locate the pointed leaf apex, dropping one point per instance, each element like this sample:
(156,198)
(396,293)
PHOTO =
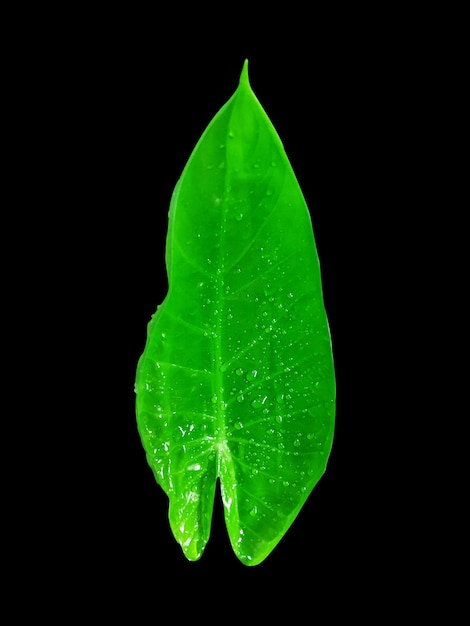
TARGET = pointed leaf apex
(244,80)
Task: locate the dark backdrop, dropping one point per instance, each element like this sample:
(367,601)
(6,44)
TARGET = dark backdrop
(114,106)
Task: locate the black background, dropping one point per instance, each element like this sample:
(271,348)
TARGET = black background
(111,107)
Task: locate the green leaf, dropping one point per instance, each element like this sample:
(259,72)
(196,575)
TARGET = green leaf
(237,381)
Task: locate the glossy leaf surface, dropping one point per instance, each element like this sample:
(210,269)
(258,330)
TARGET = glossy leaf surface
(236,381)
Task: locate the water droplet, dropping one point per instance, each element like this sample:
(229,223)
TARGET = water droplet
(238,425)
(252,375)
(214,398)
(297,443)
(239,217)
(279,419)
(285,483)
(258,402)
(256,165)
(281,446)
(310,436)
(254,511)
(280,398)
(239,371)
(240,397)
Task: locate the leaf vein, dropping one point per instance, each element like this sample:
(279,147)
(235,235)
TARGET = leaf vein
(183,367)
(189,261)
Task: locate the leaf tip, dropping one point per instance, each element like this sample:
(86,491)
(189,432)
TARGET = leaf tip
(244,80)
